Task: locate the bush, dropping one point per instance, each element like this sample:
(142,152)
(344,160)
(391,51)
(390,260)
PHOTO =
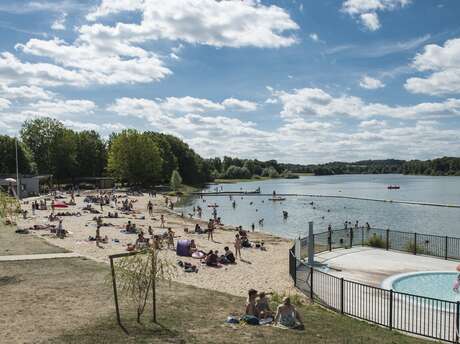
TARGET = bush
(410,247)
(270,172)
(296,299)
(376,241)
(235,172)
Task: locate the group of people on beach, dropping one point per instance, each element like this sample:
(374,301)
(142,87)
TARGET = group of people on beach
(258,311)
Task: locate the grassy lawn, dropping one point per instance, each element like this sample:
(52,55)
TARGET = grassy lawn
(12,243)
(68,301)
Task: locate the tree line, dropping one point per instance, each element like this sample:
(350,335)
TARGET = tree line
(46,146)
(446,166)
(149,158)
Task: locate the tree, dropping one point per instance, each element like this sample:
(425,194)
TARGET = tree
(63,155)
(138,274)
(8,154)
(134,158)
(39,135)
(9,208)
(91,154)
(176,180)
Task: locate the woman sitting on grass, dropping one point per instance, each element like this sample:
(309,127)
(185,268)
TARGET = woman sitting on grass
(287,315)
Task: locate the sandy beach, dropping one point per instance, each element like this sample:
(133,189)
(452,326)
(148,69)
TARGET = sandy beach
(262,270)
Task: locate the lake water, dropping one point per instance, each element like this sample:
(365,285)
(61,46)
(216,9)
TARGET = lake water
(335,211)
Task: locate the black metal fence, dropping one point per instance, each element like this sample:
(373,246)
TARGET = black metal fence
(424,316)
(415,243)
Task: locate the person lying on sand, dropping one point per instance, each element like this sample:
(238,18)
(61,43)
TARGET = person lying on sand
(287,315)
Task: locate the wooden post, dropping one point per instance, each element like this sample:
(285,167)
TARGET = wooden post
(115,294)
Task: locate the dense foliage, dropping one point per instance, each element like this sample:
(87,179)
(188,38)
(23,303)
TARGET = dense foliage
(447,166)
(136,158)
(46,146)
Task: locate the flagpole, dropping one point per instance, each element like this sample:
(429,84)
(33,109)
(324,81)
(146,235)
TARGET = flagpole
(17,171)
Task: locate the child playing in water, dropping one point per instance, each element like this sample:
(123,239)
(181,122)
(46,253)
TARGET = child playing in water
(457,284)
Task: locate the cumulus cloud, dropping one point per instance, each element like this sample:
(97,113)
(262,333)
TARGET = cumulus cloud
(372,124)
(444,64)
(97,62)
(4,103)
(210,22)
(314,37)
(24,92)
(370,83)
(366,10)
(59,23)
(243,105)
(308,102)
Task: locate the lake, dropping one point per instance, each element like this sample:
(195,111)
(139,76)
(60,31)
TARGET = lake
(335,211)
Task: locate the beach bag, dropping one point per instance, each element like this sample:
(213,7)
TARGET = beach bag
(250,320)
(231,319)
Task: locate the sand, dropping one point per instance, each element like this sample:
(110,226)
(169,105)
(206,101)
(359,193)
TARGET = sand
(261,270)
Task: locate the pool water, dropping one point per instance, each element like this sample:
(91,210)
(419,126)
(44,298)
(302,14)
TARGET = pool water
(438,285)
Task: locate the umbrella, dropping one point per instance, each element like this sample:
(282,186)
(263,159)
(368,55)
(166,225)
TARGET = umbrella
(10,180)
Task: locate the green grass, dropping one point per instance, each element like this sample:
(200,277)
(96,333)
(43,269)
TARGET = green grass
(69,301)
(12,243)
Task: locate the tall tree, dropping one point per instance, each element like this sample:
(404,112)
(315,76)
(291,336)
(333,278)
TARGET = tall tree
(8,154)
(40,135)
(91,154)
(135,158)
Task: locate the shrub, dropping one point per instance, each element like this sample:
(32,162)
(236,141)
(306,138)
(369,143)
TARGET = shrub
(410,247)
(376,241)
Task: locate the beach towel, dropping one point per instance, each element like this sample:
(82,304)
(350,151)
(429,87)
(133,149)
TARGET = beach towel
(250,320)
(197,255)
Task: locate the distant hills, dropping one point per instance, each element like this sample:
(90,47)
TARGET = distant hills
(446,166)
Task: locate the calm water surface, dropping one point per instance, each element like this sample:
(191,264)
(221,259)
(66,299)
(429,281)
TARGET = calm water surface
(334,211)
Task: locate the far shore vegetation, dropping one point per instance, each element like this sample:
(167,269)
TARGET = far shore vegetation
(146,159)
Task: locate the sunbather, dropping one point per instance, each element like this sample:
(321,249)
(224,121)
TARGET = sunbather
(287,315)
(263,306)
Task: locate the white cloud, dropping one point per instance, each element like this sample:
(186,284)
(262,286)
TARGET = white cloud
(444,64)
(101,62)
(15,72)
(373,124)
(370,83)
(24,92)
(4,103)
(370,21)
(314,37)
(59,23)
(61,107)
(189,104)
(243,105)
(210,22)
(367,10)
(308,102)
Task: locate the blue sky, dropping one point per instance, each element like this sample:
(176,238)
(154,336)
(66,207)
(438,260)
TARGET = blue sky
(297,81)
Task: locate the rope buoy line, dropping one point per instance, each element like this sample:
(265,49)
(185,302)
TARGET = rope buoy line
(242,193)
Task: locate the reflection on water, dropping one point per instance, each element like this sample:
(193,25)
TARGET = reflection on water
(335,211)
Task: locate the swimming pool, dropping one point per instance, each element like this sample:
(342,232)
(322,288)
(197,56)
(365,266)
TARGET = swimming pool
(434,284)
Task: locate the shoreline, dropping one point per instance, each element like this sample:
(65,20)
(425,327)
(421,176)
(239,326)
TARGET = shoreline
(262,270)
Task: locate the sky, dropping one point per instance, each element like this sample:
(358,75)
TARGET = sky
(297,81)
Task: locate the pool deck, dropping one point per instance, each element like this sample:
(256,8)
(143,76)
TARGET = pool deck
(372,266)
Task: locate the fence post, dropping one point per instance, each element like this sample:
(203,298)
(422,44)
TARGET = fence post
(388,239)
(415,243)
(329,240)
(391,310)
(341,295)
(115,294)
(362,237)
(446,254)
(351,237)
(311,283)
(457,321)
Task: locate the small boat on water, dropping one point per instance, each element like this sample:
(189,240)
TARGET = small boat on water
(393,187)
(274,199)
